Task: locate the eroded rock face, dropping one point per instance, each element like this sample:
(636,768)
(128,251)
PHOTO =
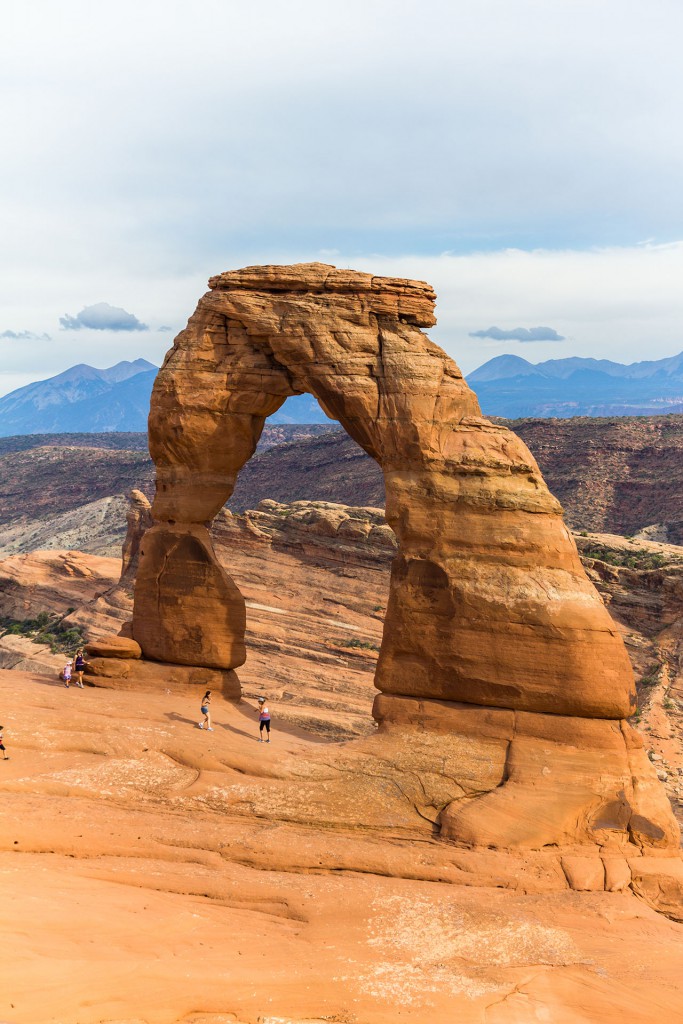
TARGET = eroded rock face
(195,613)
(325,530)
(493,632)
(489,603)
(138,521)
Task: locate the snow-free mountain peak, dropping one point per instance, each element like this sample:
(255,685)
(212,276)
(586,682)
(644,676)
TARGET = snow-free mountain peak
(84,399)
(578,386)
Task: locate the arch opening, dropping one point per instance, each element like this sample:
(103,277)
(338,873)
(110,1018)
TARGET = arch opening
(305,538)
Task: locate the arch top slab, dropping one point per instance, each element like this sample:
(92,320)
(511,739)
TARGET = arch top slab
(489,603)
(412,301)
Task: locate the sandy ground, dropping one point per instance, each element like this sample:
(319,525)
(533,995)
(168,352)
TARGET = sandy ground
(138,885)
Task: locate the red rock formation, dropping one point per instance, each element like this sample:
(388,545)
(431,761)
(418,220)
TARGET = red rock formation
(138,521)
(489,603)
(493,632)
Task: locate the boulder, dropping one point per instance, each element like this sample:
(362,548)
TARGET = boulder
(138,674)
(113,647)
(199,614)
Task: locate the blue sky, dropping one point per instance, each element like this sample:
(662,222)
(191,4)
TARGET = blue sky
(524,156)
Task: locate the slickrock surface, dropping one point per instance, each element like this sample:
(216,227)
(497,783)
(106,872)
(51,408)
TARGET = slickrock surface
(151,873)
(56,583)
(315,578)
(142,856)
(339,534)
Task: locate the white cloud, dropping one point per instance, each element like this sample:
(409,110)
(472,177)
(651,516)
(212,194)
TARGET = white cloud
(525,334)
(102,317)
(24,336)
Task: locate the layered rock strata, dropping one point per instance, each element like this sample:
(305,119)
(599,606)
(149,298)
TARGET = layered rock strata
(489,609)
(322,530)
(489,603)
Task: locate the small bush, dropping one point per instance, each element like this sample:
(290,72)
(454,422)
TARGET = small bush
(638,559)
(650,676)
(45,630)
(364,645)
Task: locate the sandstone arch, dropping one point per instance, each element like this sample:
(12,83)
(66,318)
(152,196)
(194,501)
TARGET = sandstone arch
(489,604)
(503,682)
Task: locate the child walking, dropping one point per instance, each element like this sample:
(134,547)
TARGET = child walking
(5,755)
(263,719)
(206,711)
(66,674)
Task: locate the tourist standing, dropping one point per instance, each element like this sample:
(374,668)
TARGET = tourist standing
(79,667)
(206,711)
(263,719)
(5,755)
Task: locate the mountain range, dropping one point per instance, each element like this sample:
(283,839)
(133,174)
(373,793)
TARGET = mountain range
(84,399)
(513,387)
(81,398)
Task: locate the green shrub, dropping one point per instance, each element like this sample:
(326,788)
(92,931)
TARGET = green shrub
(47,630)
(638,559)
(364,645)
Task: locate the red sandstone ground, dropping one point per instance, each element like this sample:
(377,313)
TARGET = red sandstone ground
(157,874)
(133,894)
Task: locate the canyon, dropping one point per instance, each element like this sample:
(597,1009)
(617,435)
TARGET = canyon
(620,475)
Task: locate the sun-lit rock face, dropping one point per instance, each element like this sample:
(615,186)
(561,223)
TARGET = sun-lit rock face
(493,633)
(488,603)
